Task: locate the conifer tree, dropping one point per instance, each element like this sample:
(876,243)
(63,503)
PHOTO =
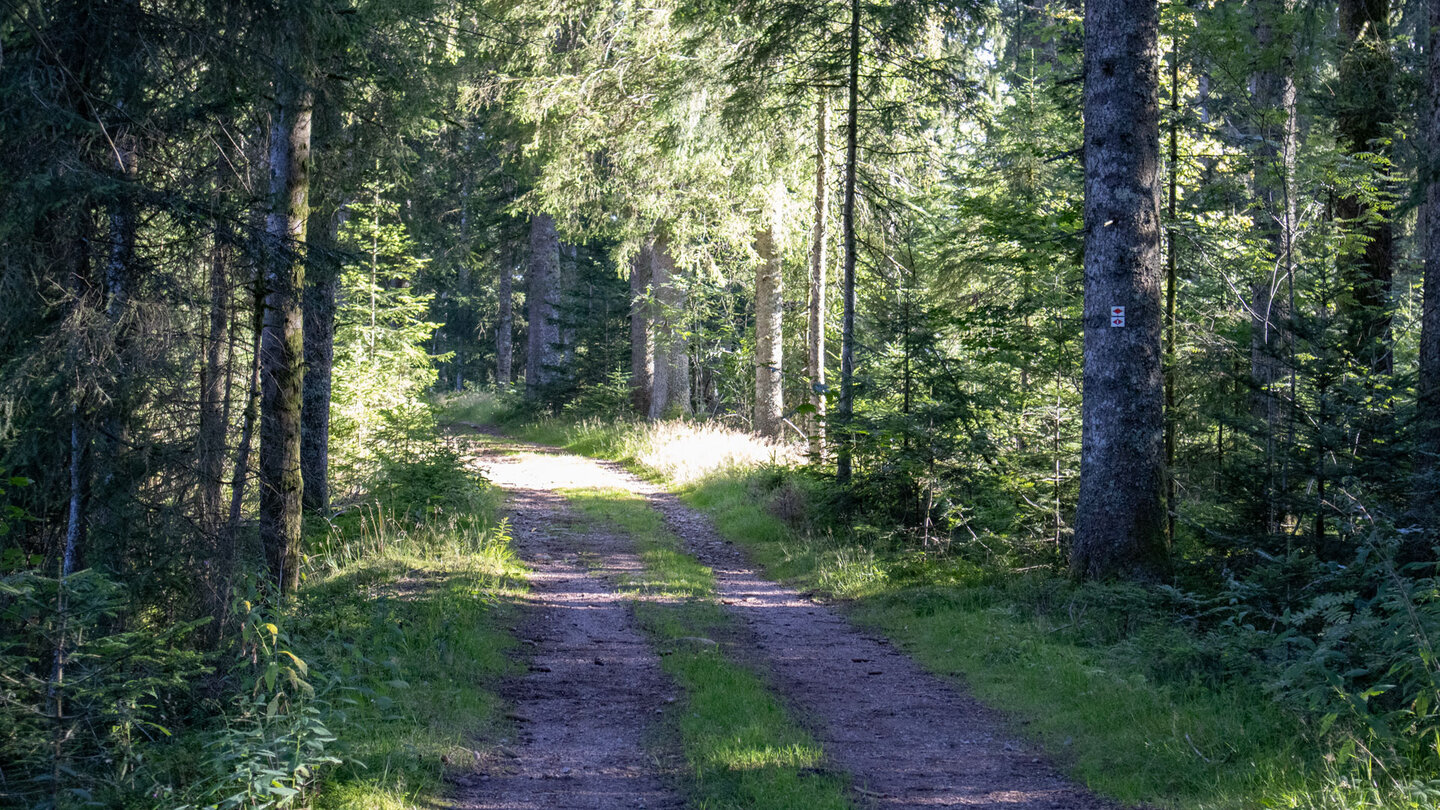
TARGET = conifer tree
(1120,517)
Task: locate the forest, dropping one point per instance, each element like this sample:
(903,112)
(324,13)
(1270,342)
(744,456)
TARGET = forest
(1089,350)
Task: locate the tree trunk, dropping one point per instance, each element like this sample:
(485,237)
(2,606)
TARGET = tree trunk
(239,478)
(769,291)
(541,300)
(671,382)
(661,335)
(114,489)
(1120,517)
(1425,506)
(846,411)
(817,283)
(210,441)
(642,338)
(1275,222)
(211,438)
(1365,111)
(319,317)
(282,352)
(1171,245)
(505,328)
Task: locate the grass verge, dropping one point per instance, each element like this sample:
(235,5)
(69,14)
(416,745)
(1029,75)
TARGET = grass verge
(743,749)
(409,609)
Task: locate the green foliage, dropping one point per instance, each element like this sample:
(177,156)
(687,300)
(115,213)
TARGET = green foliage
(275,741)
(85,688)
(382,367)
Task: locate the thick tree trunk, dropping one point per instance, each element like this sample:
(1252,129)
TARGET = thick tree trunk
(1275,221)
(1425,506)
(1120,518)
(846,410)
(1365,111)
(505,328)
(282,351)
(319,316)
(541,300)
(769,291)
(642,338)
(816,343)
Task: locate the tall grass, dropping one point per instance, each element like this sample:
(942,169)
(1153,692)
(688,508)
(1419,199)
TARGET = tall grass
(407,600)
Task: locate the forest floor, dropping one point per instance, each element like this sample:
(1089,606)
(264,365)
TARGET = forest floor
(597,709)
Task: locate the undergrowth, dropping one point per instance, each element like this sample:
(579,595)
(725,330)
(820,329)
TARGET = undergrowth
(352,695)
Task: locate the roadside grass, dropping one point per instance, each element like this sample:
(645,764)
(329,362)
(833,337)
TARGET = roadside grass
(1112,690)
(407,603)
(743,749)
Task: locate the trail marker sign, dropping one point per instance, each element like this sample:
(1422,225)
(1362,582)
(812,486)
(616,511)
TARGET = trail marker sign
(1117,316)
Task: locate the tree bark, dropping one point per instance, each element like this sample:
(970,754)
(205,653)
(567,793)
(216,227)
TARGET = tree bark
(211,441)
(1171,244)
(846,406)
(1425,504)
(541,300)
(642,338)
(671,381)
(1365,111)
(319,318)
(1120,517)
(239,478)
(282,352)
(1275,221)
(505,328)
(114,490)
(816,343)
(769,290)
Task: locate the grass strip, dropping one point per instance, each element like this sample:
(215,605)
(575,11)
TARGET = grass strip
(414,619)
(743,749)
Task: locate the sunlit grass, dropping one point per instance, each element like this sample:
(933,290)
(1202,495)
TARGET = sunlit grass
(743,749)
(679,452)
(411,614)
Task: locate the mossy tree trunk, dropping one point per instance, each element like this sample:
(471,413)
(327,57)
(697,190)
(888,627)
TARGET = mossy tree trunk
(282,351)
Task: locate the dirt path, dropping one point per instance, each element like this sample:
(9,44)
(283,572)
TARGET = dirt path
(907,738)
(593,685)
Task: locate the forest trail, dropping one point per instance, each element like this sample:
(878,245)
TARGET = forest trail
(905,738)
